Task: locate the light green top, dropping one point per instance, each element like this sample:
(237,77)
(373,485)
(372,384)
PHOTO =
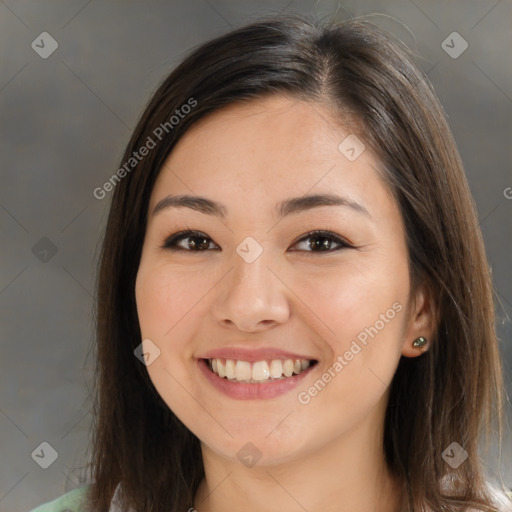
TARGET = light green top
(73,502)
(70,502)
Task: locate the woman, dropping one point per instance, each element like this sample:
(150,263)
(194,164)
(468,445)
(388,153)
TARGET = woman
(294,305)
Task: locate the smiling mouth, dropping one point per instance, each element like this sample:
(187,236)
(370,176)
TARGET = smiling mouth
(259,371)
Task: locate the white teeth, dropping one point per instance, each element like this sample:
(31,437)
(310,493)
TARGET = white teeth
(221,368)
(243,370)
(230,369)
(259,371)
(276,368)
(288,368)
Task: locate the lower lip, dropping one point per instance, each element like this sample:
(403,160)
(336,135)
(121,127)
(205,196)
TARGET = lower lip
(246,391)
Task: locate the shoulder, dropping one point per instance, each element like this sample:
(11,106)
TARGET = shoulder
(70,502)
(503,497)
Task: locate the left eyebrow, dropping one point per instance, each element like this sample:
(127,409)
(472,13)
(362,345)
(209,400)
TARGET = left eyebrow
(291,206)
(198,203)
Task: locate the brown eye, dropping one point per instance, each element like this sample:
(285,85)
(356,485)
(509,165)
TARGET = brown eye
(323,241)
(197,241)
(317,242)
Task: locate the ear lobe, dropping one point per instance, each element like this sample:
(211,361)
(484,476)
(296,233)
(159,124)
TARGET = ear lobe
(422,323)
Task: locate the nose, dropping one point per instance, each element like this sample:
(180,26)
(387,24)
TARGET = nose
(251,298)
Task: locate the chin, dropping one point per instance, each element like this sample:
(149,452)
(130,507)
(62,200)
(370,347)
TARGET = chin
(254,447)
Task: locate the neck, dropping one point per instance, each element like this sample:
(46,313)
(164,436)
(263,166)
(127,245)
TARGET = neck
(347,474)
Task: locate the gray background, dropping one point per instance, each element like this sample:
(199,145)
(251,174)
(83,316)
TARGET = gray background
(64,123)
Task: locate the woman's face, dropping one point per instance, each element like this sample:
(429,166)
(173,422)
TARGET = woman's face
(254,295)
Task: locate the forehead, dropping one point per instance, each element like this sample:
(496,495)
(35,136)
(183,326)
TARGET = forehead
(268,149)
(262,129)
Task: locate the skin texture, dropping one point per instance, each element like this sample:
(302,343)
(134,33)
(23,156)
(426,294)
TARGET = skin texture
(326,454)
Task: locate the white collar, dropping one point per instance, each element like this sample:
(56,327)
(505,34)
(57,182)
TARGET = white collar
(115,504)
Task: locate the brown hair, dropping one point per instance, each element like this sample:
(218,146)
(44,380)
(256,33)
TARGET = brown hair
(446,395)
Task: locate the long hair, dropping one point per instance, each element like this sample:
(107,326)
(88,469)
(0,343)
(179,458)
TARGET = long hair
(452,393)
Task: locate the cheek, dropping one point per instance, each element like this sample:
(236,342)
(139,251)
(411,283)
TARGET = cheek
(364,313)
(351,297)
(165,302)
(361,310)
(163,298)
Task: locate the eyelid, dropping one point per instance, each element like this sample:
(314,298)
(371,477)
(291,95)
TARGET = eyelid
(342,242)
(175,237)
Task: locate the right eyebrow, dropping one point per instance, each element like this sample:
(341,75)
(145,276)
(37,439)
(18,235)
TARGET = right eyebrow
(287,207)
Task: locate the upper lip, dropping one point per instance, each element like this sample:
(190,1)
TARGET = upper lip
(252,355)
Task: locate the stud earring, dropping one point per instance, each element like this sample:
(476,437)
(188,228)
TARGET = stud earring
(419,342)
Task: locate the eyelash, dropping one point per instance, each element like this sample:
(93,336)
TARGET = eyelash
(170,243)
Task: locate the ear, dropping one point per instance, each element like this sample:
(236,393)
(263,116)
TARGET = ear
(422,321)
